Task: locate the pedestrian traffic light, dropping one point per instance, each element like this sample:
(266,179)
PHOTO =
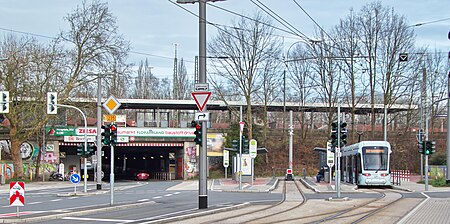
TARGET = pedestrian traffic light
(198,133)
(52,101)
(4,102)
(106,135)
(80,150)
(113,134)
(343,136)
(334,134)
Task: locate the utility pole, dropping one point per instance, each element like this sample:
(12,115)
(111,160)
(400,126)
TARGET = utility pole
(99,132)
(203,193)
(203,182)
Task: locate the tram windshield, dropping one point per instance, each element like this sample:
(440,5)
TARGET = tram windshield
(375,158)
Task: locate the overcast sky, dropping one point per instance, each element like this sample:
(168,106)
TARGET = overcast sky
(153,26)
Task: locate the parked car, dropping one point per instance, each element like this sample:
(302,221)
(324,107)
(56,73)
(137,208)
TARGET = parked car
(142,175)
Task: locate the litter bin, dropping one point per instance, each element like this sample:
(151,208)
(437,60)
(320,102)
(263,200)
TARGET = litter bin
(326,177)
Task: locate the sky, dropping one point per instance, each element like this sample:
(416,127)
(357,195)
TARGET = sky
(154,27)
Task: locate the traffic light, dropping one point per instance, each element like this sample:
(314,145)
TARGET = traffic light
(106,135)
(80,150)
(91,150)
(198,133)
(421,146)
(334,134)
(430,147)
(113,134)
(343,136)
(235,144)
(245,144)
(52,100)
(4,102)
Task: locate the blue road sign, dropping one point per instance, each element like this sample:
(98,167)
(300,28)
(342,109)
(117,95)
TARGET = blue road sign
(75,178)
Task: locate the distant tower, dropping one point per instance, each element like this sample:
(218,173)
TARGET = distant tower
(175,74)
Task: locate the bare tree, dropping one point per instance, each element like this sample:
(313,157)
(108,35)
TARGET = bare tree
(34,69)
(31,70)
(384,35)
(299,69)
(97,47)
(245,48)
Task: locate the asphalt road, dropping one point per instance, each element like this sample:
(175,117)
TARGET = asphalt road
(137,202)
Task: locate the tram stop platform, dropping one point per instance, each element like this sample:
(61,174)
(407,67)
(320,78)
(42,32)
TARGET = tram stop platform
(258,185)
(325,187)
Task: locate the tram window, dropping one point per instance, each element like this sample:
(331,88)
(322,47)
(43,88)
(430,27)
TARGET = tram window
(375,158)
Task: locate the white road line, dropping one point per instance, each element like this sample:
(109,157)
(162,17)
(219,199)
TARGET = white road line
(34,203)
(153,197)
(98,220)
(72,197)
(56,199)
(176,193)
(168,195)
(146,199)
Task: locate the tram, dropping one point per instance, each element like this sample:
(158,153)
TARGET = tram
(366,163)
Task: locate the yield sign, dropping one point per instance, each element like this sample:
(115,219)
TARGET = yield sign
(201,98)
(16,194)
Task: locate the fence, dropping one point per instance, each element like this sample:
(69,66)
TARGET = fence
(397,176)
(162,176)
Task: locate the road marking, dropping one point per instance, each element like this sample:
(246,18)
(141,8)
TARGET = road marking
(98,220)
(146,199)
(153,198)
(72,197)
(14,214)
(168,195)
(34,203)
(56,199)
(176,193)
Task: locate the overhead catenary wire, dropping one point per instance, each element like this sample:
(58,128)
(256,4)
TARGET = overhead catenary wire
(224,30)
(279,19)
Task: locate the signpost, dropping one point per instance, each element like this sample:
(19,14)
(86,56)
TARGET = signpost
(330,159)
(201,98)
(17,195)
(202,116)
(109,117)
(75,179)
(226,161)
(253,151)
(111,104)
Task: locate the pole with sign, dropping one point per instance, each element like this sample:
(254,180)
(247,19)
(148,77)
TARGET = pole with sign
(201,99)
(17,195)
(75,179)
(330,160)
(226,161)
(253,150)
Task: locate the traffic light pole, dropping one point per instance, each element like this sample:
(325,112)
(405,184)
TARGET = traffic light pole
(99,130)
(85,142)
(203,182)
(426,140)
(338,154)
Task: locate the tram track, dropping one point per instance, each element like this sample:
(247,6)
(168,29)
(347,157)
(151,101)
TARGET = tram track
(292,198)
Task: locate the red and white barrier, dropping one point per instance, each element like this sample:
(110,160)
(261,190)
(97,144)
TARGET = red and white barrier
(400,175)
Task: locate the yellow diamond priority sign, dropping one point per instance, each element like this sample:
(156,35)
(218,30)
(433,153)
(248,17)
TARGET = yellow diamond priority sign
(111,104)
